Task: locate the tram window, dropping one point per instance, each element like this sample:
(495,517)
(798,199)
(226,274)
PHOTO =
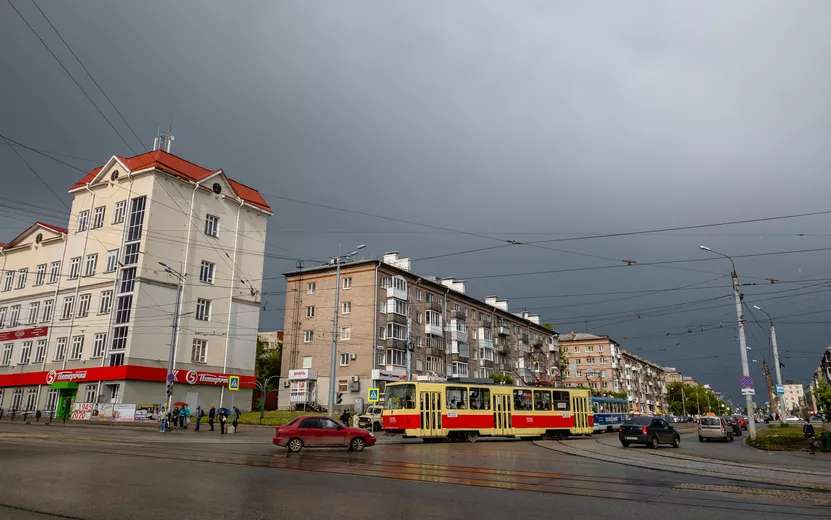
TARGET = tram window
(522,400)
(595,407)
(480,399)
(399,397)
(457,398)
(542,400)
(561,400)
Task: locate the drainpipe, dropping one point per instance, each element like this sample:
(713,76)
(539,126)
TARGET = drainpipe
(444,328)
(231,301)
(54,306)
(75,302)
(184,270)
(375,319)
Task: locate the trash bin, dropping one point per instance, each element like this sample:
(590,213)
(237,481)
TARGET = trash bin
(825,441)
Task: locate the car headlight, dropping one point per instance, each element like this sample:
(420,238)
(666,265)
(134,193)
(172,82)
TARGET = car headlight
(371,434)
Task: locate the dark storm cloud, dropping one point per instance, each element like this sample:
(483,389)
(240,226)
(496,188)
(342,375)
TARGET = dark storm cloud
(526,121)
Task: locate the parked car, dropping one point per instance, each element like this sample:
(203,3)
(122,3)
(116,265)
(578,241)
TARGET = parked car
(651,431)
(815,417)
(792,418)
(314,431)
(742,421)
(733,422)
(714,428)
(372,417)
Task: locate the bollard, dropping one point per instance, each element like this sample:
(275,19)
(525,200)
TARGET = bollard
(13,413)
(37,416)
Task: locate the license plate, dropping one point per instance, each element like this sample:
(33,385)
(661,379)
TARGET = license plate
(631,438)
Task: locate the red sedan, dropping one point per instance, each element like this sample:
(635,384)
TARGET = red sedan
(742,421)
(315,431)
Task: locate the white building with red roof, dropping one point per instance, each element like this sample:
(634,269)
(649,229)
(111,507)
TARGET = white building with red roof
(86,313)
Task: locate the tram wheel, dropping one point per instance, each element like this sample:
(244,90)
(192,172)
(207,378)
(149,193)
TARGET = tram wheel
(472,436)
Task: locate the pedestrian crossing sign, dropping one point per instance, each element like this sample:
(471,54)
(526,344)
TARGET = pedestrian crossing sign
(373,395)
(233,382)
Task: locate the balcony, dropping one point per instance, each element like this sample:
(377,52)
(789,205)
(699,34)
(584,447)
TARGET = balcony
(460,349)
(433,306)
(523,348)
(503,330)
(398,344)
(458,315)
(486,364)
(502,348)
(396,318)
(525,339)
(435,330)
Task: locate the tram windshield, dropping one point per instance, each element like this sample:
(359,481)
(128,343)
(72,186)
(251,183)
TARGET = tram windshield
(399,397)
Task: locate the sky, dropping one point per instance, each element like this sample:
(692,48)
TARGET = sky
(494,121)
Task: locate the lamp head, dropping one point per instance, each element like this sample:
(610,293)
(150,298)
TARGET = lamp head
(704,248)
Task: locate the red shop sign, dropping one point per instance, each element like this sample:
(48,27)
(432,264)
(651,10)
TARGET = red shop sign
(12,335)
(124,372)
(194,377)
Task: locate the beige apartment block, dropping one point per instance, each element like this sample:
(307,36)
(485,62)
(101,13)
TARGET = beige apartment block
(672,375)
(645,384)
(794,398)
(593,362)
(393,324)
(86,312)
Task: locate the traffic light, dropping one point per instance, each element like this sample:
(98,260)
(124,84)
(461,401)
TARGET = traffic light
(340,397)
(169,388)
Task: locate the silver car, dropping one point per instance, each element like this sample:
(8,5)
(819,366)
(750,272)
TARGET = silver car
(714,428)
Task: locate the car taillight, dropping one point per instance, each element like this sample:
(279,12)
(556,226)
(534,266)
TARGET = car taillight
(620,428)
(276,432)
(644,430)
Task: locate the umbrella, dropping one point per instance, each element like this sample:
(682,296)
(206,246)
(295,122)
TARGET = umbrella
(227,411)
(179,403)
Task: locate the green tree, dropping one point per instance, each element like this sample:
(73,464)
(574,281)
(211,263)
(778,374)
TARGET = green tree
(618,395)
(268,362)
(823,394)
(502,379)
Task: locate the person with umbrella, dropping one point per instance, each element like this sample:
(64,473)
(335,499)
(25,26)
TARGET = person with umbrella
(211,415)
(237,415)
(223,418)
(178,414)
(175,415)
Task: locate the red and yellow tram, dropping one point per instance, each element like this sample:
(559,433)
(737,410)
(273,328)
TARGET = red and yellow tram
(461,410)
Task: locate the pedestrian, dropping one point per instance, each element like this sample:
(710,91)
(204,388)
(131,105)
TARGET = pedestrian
(175,423)
(162,419)
(808,430)
(185,417)
(344,417)
(199,414)
(211,415)
(237,414)
(223,416)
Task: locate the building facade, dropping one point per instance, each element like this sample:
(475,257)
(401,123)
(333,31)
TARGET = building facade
(273,339)
(794,397)
(393,323)
(645,384)
(671,375)
(86,313)
(593,361)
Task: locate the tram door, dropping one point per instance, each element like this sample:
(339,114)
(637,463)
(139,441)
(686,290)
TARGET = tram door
(581,414)
(430,414)
(501,414)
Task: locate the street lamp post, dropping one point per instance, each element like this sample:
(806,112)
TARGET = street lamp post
(778,399)
(332,365)
(751,423)
(174,328)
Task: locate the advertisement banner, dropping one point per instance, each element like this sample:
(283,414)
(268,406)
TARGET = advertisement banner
(124,412)
(147,412)
(102,412)
(12,335)
(82,411)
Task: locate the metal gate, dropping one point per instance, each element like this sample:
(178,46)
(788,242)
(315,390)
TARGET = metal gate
(430,414)
(501,414)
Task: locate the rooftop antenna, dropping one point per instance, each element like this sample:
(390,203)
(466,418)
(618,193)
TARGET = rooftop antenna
(163,141)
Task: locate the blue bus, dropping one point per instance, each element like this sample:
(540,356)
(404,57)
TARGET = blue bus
(609,413)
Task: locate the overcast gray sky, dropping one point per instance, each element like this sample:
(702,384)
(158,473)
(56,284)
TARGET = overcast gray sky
(517,120)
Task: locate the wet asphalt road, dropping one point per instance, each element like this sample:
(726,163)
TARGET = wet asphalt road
(90,474)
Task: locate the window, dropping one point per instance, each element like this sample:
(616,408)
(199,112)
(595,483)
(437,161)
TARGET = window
(200,351)
(40,351)
(99,342)
(25,352)
(21,277)
(77,348)
(34,307)
(396,357)
(89,393)
(382,307)
(310,287)
(418,295)
(212,225)
(432,318)
(434,364)
(310,311)
(600,348)
(14,316)
(344,359)
(68,304)
(118,211)
(419,365)
(91,264)
(131,253)
(456,397)
(347,282)
(396,331)
(203,309)
(589,348)
(119,338)
(561,400)
(112,260)
(52,400)
(74,267)
(397,306)
(523,400)
(480,399)
(122,310)
(97,217)
(105,302)
(428,297)
(419,317)
(128,280)
(460,326)
(398,397)
(346,308)
(83,221)
(134,227)
(382,333)
(343,386)
(346,333)
(40,274)
(206,272)
(116,360)
(459,369)
(17,396)
(83,305)
(60,349)
(456,307)
(47,310)
(7,354)
(542,400)
(307,361)
(54,271)
(8,280)
(2,316)
(308,336)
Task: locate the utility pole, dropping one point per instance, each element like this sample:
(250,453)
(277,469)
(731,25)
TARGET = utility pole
(778,398)
(168,397)
(683,400)
(332,364)
(737,296)
(767,379)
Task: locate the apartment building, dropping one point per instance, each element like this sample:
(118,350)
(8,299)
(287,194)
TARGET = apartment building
(391,320)
(86,311)
(593,362)
(794,398)
(645,385)
(671,375)
(272,339)
(823,371)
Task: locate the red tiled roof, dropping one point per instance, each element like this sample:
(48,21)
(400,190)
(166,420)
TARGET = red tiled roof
(30,229)
(2,245)
(174,165)
(50,226)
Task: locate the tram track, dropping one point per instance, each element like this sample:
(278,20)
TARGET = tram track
(358,464)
